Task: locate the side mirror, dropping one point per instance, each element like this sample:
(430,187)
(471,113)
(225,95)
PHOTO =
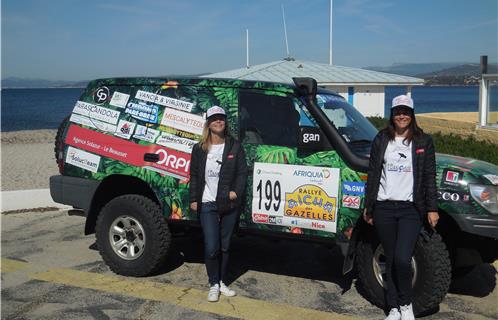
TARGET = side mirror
(306,86)
(310,138)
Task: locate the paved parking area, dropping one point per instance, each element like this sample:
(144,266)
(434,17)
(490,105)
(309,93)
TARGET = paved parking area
(50,270)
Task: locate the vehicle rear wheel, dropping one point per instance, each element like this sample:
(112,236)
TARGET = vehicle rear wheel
(132,235)
(431,272)
(59,142)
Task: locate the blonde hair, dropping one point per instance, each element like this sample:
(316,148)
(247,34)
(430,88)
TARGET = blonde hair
(206,135)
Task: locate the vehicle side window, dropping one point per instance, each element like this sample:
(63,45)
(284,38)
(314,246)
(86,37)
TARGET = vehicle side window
(268,119)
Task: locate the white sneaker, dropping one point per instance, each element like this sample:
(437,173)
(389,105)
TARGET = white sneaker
(393,314)
(226,291)
(214,293)
(407,312)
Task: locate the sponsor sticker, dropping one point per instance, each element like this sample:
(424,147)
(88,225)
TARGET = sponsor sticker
(310,202)
(351,201)
(96,112)
(82,159)
(183,121)
(492,178)
(451,179)
(101,95)
(452,196)
(125,129)
(142,111)
(174,142)
(302,196)
(180,133)
(164,101)
(353,188)
(119,99)
(96,124)
(171,162)
(146,134)
(260,218)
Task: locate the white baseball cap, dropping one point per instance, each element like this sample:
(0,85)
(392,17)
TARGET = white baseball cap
(402,100)
(214,110)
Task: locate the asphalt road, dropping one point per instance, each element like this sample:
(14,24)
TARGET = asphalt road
(50,270)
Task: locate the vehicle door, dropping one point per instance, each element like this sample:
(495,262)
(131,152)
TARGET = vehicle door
(294,182)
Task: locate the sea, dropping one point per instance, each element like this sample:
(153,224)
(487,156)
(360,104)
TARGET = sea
(32,109)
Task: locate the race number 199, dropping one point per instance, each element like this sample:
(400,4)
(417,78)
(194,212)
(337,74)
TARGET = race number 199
(272,194)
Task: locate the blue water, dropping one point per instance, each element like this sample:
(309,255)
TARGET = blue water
(29,109)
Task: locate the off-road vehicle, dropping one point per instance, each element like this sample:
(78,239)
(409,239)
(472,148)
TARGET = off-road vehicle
(124,156)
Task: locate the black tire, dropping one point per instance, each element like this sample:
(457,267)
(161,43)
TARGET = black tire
(433,273)
(59,142)
(155,232)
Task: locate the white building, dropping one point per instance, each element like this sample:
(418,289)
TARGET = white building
(362,88)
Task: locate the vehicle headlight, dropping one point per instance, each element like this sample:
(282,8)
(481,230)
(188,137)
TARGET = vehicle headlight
(486,196)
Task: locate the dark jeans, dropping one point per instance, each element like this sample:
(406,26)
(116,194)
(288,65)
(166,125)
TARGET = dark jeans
(218,230)
(398,225)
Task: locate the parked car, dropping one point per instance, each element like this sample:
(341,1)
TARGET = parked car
(124,156)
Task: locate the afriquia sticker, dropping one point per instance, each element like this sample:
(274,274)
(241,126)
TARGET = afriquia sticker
(125,129)
(492,178)
(146,133)
(101,95)
(351,201)
(142,111)
(82,159)
(164,101)
(353,188)
(174,142)
(451,178)
(119,99)
(96,112)
(171,162)
(291,195)
(92,123)
(183,121)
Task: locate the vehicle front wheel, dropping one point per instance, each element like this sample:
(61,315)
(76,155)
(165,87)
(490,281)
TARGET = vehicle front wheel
(132,235)
(431,269)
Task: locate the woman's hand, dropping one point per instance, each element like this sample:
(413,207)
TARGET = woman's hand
(193,206)
(232,195)
(433,218)
(368,217)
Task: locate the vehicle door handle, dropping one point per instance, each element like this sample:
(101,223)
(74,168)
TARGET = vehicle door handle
(151,157)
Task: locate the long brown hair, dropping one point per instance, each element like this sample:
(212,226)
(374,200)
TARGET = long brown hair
(206,135)
(413,129)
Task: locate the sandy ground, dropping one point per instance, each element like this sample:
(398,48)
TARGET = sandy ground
(27,159)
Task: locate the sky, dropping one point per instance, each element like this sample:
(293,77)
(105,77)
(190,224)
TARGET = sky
(88,39)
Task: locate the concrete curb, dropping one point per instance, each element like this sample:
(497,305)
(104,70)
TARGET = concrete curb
(28,199)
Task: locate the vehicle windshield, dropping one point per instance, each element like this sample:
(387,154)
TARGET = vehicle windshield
(350,123)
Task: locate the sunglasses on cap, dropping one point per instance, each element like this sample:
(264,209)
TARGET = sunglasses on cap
(402,112)
(216,117)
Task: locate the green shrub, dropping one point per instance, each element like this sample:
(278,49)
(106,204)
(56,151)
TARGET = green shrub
(455,145)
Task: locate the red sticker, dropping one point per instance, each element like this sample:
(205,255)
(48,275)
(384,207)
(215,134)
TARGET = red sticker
(230,156)
(171,162)
(419,151)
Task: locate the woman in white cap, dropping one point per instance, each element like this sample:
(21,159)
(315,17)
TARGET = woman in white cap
(400,195)
(218,175)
